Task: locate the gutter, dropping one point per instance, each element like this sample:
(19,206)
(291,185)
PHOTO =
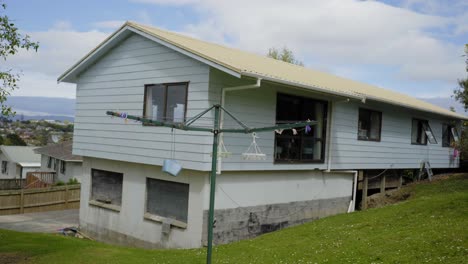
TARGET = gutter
(223,99)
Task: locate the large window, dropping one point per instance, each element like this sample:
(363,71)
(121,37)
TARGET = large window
(166,102)
(300,145)
(49,162)
(106,187)
(421,133)
(167,199)
(369,125)
(449,135)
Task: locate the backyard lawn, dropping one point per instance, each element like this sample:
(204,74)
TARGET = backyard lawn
(430,227)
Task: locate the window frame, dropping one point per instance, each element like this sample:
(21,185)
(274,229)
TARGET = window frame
(49,162)
(159,218)
(63,167)
(368,132)
(5,167)
(447,129)
(92,201)
(422,122)
(166,85)
(324,132)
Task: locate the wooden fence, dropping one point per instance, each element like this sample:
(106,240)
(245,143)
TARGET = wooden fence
(39,200)
(11,184)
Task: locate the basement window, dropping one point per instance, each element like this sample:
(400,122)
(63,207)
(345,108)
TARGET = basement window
(302,146)
(106,187)
(166,102)
(421,133)
(369,125)
(167,199)
(449,135)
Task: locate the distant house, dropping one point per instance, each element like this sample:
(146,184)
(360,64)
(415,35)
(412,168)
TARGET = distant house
(17,161)
(307,174)
(58,158)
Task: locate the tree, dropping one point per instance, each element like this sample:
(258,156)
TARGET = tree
(14,140)
(461,93)
(284,55)
(11,41)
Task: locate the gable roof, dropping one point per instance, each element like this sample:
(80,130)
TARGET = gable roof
(240,63)
(23,155)
(61,151)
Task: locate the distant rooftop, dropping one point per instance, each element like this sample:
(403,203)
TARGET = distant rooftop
(61,151)
(21,154)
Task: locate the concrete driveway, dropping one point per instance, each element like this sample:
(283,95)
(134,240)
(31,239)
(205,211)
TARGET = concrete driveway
(44,222)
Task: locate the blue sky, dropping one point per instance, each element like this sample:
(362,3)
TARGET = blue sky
(411,46)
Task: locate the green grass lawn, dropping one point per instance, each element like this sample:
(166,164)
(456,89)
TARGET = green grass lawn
(430,227)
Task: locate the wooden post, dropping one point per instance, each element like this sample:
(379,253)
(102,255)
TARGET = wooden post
(365,185)
(382,184)
(22,201)
(66,196)
(400,180)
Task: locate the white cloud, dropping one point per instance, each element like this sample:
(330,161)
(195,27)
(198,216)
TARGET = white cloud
(59,49)
(109,24)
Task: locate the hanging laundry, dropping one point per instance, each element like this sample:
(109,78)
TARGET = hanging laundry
(294,131)
(279,131)
(308,129)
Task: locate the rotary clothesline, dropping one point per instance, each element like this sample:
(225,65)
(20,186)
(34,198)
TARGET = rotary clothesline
(217,130)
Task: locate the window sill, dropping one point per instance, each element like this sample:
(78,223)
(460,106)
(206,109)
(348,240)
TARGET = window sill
(113,207)
(367,139)
(285,162)
(160,219)
(418,144)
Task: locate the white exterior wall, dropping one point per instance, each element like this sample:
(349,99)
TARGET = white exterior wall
(116,83)
(257,107)
(253,188)
(129,221)
(73,169)
(11,168)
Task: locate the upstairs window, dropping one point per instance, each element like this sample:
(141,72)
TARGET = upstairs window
(301,146)
(4,167)
(421,133)
(166,102)
(369,125)
(449,135)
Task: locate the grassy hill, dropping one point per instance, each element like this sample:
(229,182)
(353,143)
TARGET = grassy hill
(429,227)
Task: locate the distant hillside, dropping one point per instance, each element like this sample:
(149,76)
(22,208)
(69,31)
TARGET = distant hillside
(49,108)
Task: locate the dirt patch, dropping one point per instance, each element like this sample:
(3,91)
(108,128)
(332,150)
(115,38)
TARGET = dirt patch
(389,197)
(12,258)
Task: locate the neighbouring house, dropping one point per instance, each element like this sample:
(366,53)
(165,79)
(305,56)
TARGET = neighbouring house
(58,158)
(145,71)
(17,161)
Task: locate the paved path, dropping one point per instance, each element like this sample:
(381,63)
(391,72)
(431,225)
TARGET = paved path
(47,222)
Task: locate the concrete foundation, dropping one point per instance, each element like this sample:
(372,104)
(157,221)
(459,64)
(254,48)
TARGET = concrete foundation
(248,222)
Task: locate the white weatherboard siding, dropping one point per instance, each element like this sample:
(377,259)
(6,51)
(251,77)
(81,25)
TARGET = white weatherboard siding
(257,107)
(130,221)
(395,149)
(116,83)
(253,188)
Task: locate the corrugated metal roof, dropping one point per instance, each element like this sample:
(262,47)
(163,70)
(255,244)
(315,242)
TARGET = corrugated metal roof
(61,151)
(250,64)
(21,154)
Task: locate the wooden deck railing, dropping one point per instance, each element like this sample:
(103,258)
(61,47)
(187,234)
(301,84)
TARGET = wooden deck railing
(40,179)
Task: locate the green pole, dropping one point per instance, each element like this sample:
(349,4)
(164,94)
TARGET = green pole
(214,162)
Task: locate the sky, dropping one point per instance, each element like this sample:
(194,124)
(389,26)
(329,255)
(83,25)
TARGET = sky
(410,46)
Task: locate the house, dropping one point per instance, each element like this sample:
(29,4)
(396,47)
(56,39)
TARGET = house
(17,161)
(145,71)
(58,158)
